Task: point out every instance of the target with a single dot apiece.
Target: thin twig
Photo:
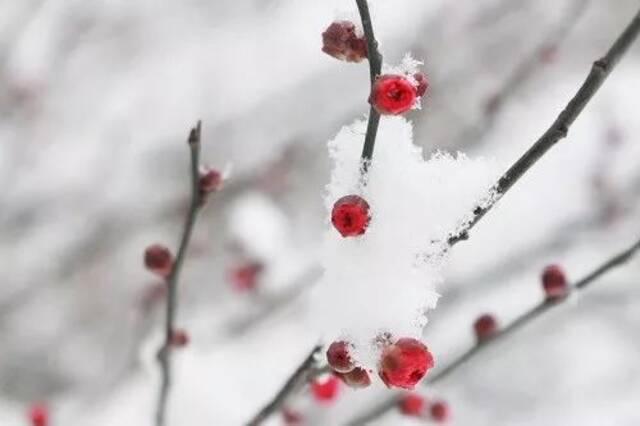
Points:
(526, 317)
(558, 130)
(375, 67)
(164, 355)
(298, 378)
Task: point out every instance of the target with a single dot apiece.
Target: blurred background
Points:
(96, 99)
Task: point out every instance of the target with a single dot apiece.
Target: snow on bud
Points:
(554, 282)
(439, 411)
(393, 94)
(411, 404)
(356, 378)
(338, 357)
(38, 414)
(341, 41)
(485, 327)
(158, 259)
(405, 363)
(325, 388)
(350, 215)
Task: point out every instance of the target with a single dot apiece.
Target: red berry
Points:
(245, 276)
(404, 363)
(356, 378)
(392, 94)
(439, 411)
(158, 259)
(350, 215)
(38, 414)
(338, 357)
(291, 417)
(485, 326)
(179, 338)
(554, 282)
(325, 389)
(411, 404)
(210, 179)
(423, 84)
(340, 41)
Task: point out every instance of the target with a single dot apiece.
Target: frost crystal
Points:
(385, 280)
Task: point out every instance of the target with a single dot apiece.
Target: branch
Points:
(375, 67)
(514, 326)
(558, 130)
(299, 377)
(164, 356)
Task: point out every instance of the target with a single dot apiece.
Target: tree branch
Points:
(558, 130)
(526, 317)
(164, 355)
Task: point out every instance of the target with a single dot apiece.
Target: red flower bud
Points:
(439, 411)
(411, 404)
(179, 338)
(325, 389)
(158, 259)
(423, 84)
(485, 326)
(392, 94)
(340, 41)
(350, 215)
(245, 276)
(210, 179)
(338, 357)
(405, 363)
(356, 378)
(554, 282)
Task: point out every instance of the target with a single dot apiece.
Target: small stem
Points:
(164, 355)
(559, 129)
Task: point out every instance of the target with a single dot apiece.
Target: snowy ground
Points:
(96, 99)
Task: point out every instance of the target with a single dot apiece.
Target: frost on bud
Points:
(291, 417)
(245, 276)
(338, 357)
(554, 282)
(411, 404)
(210, 179)
(325, 388)
(439, 411)
(179, 338)
(404, 363)
(350, 215)
(356, 378)
(38, 415)
(485, 327)
(392, 94)
(422, 84)
(158, 259)
(341, 41)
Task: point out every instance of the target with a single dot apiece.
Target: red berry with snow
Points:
(158, 259)
(210, 179)
(38, 415)
(439, 411)
(341, 41)
(422, 84)
(411, 404)
(350, 215)
(485, 327)
(338, 357)
(245, 276)
(554, 282)
(405, 363)
(179, 338)
(325, 388)
(356, 378)
(392, 94)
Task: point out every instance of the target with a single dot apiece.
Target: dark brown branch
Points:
(299, 377)
(560, 127)
(164, 355)
(375, 67)
(511, 328)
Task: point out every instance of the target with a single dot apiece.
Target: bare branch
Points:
(559, 129)
(164, 355)
(526, 317)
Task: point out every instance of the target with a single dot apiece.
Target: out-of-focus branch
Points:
(375, 67)
(526, 317)
(299, 377)
(558, 130)
(164, 356)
